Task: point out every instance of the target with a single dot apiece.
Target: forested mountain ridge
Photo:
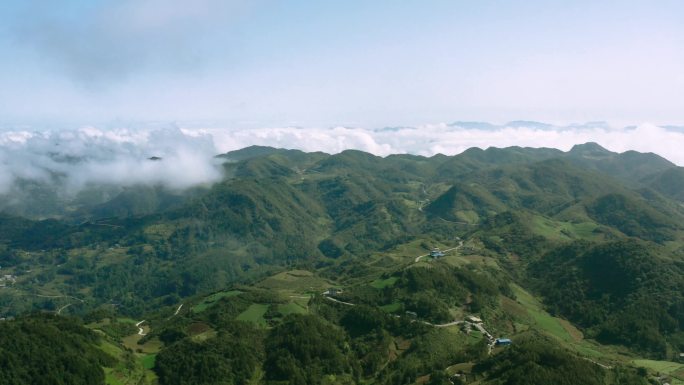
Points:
(594, 235)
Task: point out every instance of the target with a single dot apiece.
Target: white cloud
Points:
(450, 140)
(91, 155)
(77, 158)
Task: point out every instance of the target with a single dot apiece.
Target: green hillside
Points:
(350, 268)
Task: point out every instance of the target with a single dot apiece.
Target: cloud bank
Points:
(451, 139)
(74, 159)
(120, 157)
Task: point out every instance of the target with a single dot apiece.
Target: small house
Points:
(333, 291)
(412, 314)
(502, 342)
(436, 253)
(473, 319)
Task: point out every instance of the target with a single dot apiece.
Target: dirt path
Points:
(338, 301)
(598, 363)
(422, 204)
(480, 327)
(446, 325)
(59, 296)
(141, 332)
(59, 311)
(177, 310)
(457, 222)
(63, 307)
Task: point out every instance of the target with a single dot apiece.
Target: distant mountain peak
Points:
(589, 125)
(474, 125)
(529, 124)
(253, 151)
(590, 149)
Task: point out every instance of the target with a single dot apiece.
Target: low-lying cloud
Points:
(74, 159)
(120, 157)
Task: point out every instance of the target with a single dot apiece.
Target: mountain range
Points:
(577, 256)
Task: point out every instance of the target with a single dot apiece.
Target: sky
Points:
(354, 63)
(112, 82)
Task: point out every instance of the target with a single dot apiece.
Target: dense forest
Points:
(620, 291)
(44, 349)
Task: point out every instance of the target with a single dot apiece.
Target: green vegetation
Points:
(619, 291)
(231, 357)
(210, 300)
(577, 256)
(536, 361)
(540, 318)
(291, 308)
(383, 283)
(42, 349)
(392, 307)
(149, 360)
(305, 350)
(254, 313)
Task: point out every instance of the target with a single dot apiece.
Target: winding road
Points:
(177, 310)
(607, 367)
(58, 296)
(479, 326)
(338, 301)
(59, 311)
(460, 244)
(444, 325)
(141, 332)
(63, 307)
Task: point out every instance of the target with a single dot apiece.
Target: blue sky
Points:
(361, 63)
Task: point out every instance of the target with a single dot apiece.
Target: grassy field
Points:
(208, 301)
(211, 333)
(295, 282)
(111, 378)
(128, 370)
(301, 300)
(131, 341)
(127, 320)
(292, 308)
(457, 260)
(134, 362)
(674, 369)
(391, 308)
(474, 337)
(159, 231)
(583, 230)
(539, 318)
(561, 329)
(660, 366)
(468, 216)
(383, 283)
(254, 313)
(562, 230)
(148, 360)
(407, 252)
